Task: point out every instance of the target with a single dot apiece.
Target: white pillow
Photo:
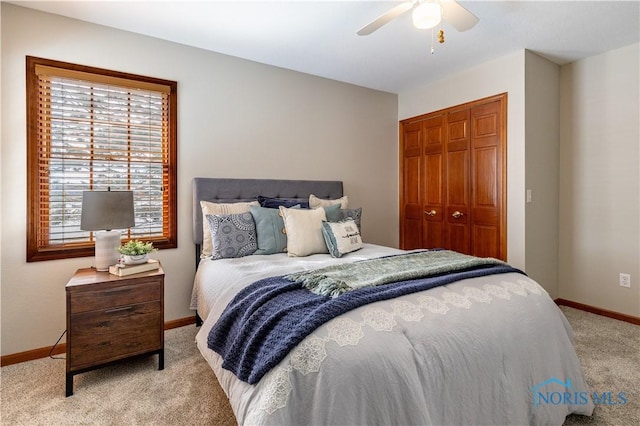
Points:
(304, 231)
(218, 209)
(315, 202)
(341, 237)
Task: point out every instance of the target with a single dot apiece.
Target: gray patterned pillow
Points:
(343, 214)
(232, 235)
(355, 214)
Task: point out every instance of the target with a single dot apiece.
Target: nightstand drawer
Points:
(110, 334)
(142, 291)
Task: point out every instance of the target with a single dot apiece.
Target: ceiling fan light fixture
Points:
(427, 15)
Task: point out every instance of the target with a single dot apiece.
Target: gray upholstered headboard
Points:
(224, 190)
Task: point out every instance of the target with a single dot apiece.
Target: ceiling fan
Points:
(426, 14)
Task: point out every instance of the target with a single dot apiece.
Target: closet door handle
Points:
(430, 213)
(457, 214)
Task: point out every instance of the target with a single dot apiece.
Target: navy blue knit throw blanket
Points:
(268, 318)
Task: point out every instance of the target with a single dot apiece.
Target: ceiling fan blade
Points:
(457, 16)
(390, 15)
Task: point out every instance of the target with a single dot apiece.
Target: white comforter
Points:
(470, 352)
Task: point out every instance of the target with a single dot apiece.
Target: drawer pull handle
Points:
(430, 213)
(116, 290)
(124, 308)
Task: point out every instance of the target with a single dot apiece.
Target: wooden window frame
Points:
(37, 251)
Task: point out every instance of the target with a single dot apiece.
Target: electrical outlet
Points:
(625, 280)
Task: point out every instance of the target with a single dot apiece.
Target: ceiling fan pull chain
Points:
(433, 50)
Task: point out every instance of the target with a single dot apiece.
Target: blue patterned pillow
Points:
(232, 235)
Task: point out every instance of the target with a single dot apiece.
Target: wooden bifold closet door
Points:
(453, 179)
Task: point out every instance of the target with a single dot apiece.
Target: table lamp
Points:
(105, 211)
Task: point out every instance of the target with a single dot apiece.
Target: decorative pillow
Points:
(315, 202)
(342, 214)
(332, 211)
(270, 231)
(304, 231)
(218, 208)
(341, 237)
(274, 203)
(232, 235)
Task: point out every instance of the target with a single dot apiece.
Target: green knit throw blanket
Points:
(335, 280)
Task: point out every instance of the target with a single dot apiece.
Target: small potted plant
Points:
(135, 251)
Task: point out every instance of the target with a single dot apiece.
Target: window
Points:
(95, 129)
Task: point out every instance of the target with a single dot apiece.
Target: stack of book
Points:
(122, 270)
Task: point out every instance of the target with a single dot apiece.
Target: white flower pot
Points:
(135, 259)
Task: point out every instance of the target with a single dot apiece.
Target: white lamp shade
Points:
(427, 15)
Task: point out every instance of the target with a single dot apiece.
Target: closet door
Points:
(487, 170)
(453, 179)
(457, 234)
(411, 165)
(422, 183)
(433, 211)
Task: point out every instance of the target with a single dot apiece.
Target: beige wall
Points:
(600, 180)
(542, 135)
(236, 119)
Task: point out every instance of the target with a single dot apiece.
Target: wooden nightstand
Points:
(110, 318)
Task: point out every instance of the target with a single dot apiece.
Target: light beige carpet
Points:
(609, 352)
(133, 392)
(187, 393)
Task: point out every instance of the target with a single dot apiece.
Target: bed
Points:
(481, 349)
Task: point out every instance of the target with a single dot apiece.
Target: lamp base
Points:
(107, 243)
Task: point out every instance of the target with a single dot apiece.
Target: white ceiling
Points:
(319, 37)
